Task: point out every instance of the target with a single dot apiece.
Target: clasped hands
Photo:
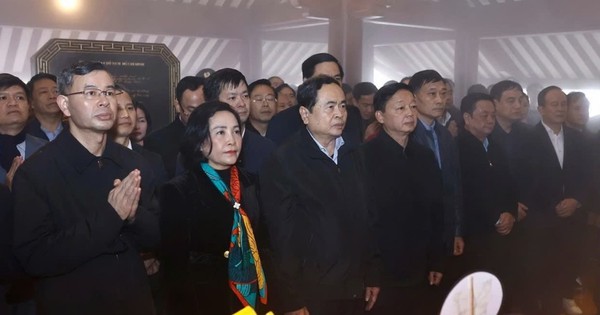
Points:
(125, 195)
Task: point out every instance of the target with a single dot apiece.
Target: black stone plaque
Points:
(149, 71)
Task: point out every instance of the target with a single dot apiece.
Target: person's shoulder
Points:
(286, 114)
(166, 131)
(259, 140)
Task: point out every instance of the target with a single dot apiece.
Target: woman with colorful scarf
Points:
(211, 261)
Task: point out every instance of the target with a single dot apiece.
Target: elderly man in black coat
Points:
(314, 199)
(406, 188)
(490, 201)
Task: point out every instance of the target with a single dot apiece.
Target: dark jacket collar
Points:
(312, 149)
(80, 158)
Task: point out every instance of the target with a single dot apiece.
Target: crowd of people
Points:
(325, 199)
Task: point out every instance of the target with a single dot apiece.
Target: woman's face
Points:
(141, 126)
(226, 138)
(285, 98)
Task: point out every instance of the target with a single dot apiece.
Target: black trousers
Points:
(551, 260)
(418, 299)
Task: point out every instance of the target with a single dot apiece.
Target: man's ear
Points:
(466, 117)
(177, 107)
(304, 112)
(63, 104)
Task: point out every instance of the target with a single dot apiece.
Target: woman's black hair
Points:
(197, 132)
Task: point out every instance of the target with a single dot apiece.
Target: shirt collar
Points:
(339, 142)
(486, 144)
(428, 127)
(551, 132)
(51, 134)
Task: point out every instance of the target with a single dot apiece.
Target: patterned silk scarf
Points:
(246, 276)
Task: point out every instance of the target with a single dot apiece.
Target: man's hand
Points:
(302, 311)
(371, 294)
(522, 211)
(17, 161)
(505, 223)
(567, 207)
(435, 278)
(459, 245)
(125, 196)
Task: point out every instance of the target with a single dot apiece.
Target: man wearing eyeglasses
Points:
(166, 141)
(262, 106)
(47, 122)
(15, 146)
(84, 208)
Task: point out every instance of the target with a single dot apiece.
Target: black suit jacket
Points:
(551, 183)
(68, 235)
(453, 207)
(196, 222)
(34, 128)
(155, 162)
(488, 188)
(405, 185)
(320, 224)
(256, 149)
(166, 143)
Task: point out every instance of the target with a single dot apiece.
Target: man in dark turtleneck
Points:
(15, 144)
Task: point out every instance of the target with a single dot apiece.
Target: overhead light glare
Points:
(68, 6)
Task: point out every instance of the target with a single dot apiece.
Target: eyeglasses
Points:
(268, 99)
(95, 93)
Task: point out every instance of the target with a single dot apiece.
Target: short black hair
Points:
(260, 82)
(139, 105)
(542, 95)
(308, 66)
(477, 88)
(574, 97)
(65, 79)
(8, 80)
(308, 91)
(467, 104)
(283, 86)
(191, 83)
(386, 92)
(423, 77)
(503, 86)
(38, 77)
(123, 89)
(363, 88)
(197, 131)
(221, 79)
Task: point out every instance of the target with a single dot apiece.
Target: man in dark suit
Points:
(124, 125)
(287, 122)
(490, 203)
(512, 135)
(84, 208)
(16, 144)
(559, 170)
(430, 97)
(47, 122)
(315, 202)
(166, 141)
(405, 187)
(229, 86)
